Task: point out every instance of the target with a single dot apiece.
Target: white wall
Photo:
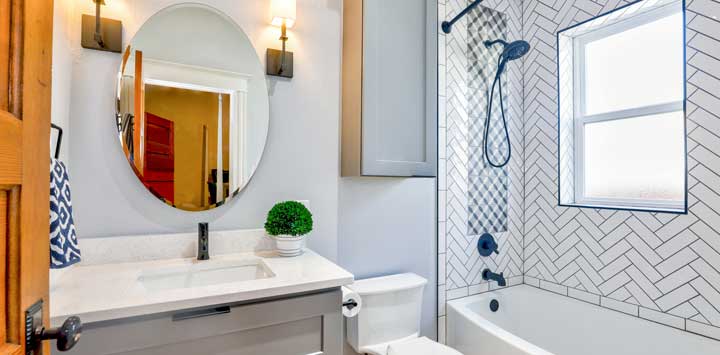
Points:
(63, 13)
(301, 156)
(387, 226)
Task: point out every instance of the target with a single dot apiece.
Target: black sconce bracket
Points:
(100, 33)
(279, 62)
(273, 62)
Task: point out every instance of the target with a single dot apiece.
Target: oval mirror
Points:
(192, 107)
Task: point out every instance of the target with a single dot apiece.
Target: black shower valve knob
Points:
(487, 245)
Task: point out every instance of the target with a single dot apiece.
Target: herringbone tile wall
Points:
(462, 104)
(487, 186)
(662, 267)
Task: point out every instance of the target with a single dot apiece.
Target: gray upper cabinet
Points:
(389, 93)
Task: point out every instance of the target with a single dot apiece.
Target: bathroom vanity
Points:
(244, 300)
(192, 119)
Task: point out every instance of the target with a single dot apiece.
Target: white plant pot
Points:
(287, 245)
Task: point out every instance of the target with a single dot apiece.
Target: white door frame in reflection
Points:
(183, 76)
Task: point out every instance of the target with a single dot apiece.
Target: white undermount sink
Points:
(194, 273)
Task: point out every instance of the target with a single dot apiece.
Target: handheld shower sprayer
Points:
(511, 51)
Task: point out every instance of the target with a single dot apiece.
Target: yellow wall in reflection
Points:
(190, 110)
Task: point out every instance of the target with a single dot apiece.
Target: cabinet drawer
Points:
(300, 325)
(292, 338)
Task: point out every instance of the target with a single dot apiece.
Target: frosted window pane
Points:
(636, 158)
(638, 67)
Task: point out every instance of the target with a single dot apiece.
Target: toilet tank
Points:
(391, 310)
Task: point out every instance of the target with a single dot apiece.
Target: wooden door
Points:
(159, 172)
(25, 61)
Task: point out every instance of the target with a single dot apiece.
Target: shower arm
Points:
(489, 44)
(447, 25)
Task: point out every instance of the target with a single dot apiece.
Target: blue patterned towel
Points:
(64, 249)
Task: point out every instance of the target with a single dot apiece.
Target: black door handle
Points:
(67, 335)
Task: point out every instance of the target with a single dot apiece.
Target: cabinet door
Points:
(390, 88)
(399, 133)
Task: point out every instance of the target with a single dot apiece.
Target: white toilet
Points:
(389, 320)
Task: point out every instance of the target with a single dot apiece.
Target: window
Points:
(622, 118)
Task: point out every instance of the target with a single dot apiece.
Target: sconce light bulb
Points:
(283, 13)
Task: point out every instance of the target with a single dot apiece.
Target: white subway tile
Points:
(457, 293)
(529, 280)
(442, 237)
(442, 330)
(553, 287)
(619, 306)
(584, 296)
(441, 300)
(662, 318)
(442, 267)
(479, 288)
(703, 329)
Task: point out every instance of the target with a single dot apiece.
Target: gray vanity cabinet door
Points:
(308, 324)
(389, 88)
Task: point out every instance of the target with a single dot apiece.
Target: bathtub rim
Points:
(460, 307)
(457, 304)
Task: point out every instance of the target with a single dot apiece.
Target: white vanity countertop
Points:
(114, 291)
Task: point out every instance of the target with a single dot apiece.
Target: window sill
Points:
(627, 208)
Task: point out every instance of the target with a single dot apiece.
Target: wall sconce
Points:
(280, 63)
(101, 33)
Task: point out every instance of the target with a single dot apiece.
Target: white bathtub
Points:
(531, 321)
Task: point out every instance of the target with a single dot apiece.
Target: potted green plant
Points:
(288, 222)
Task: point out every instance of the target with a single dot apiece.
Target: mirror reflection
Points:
(192, 107)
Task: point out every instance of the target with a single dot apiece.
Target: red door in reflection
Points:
(159, 172)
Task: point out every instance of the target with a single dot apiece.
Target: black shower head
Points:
(512, 50)
(516, 49)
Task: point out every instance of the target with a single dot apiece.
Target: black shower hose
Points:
(498, 82)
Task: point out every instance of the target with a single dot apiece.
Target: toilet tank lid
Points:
(386, 284)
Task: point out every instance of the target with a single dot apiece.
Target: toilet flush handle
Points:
(350, 304)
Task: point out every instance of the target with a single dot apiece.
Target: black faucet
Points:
(499, 278)
(203, 241)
